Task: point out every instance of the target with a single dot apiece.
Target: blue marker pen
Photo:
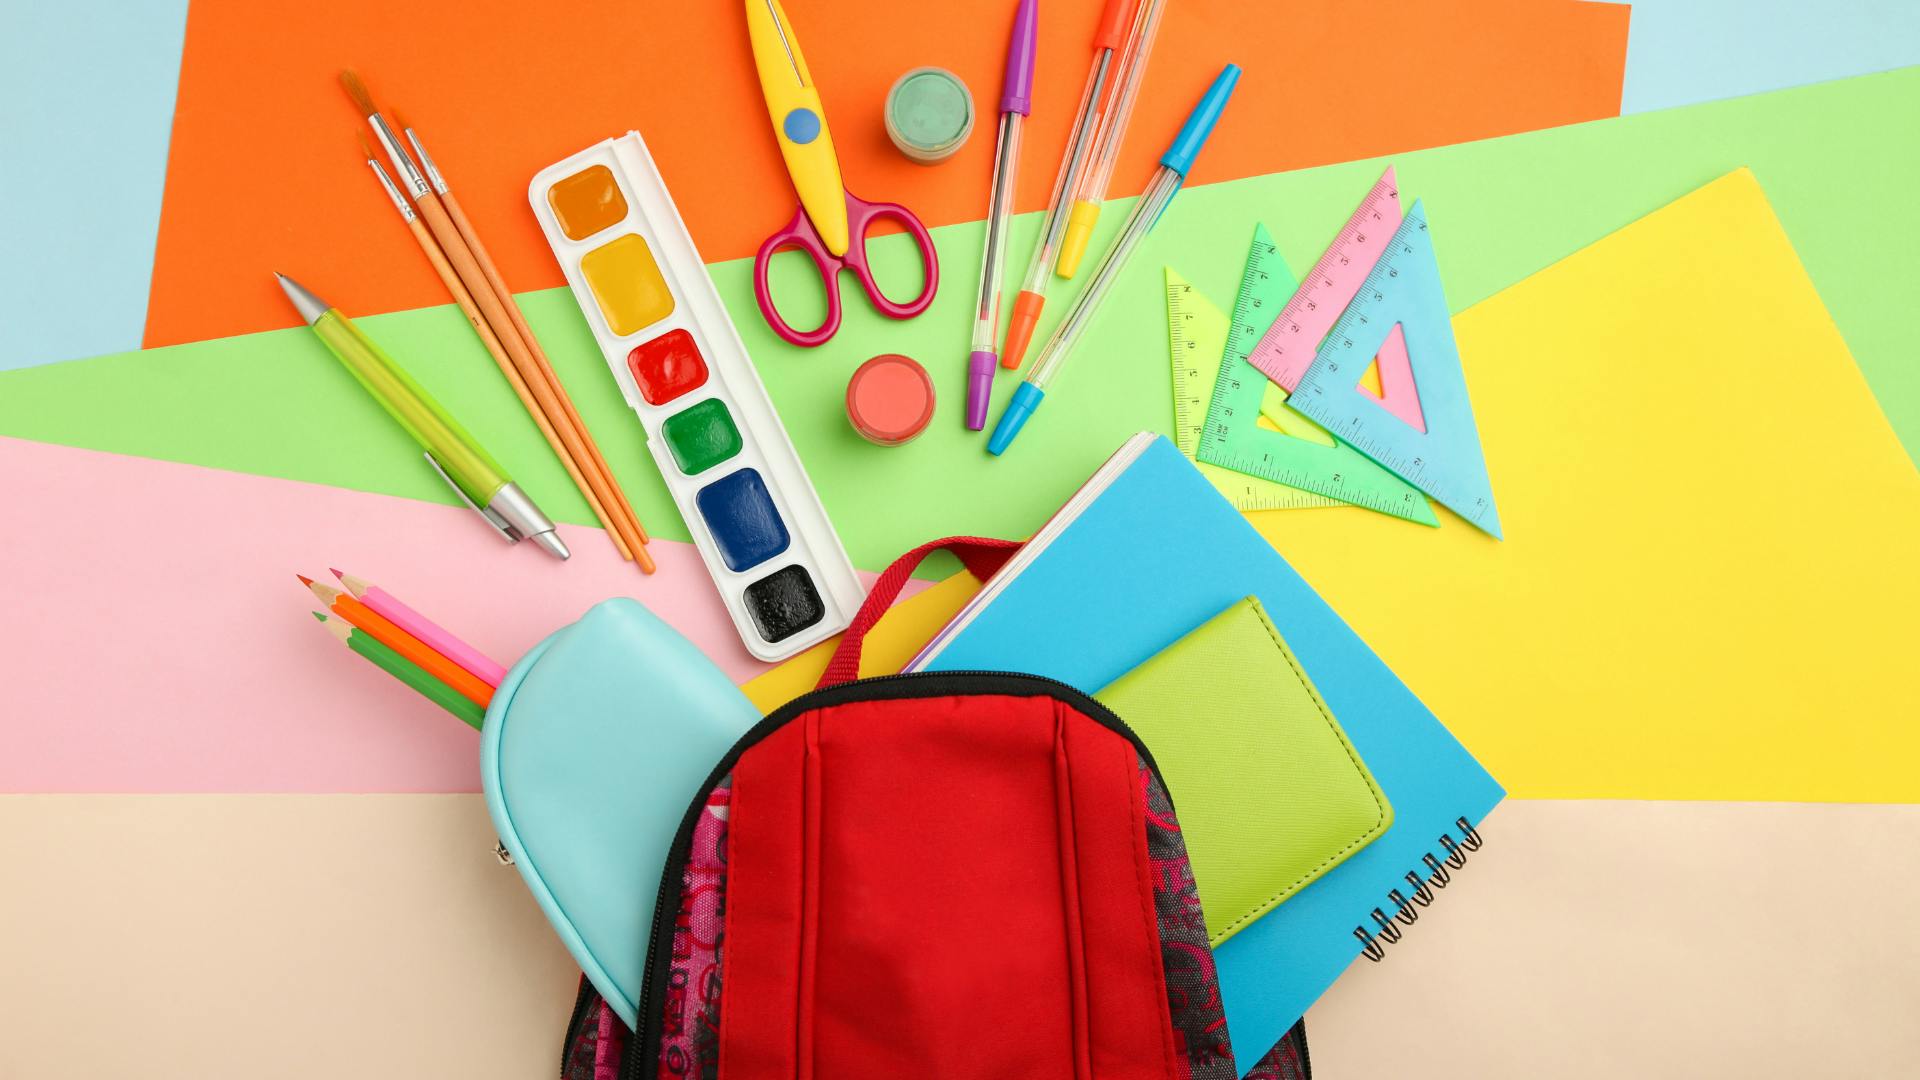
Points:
(1160, 191)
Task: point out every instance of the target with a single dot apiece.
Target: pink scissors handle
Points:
(800, 234)
(860, 217)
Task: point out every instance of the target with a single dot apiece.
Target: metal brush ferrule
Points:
(426, 162)
(393, 192)
(402, 164)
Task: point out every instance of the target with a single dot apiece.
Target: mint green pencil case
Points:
(594, 745)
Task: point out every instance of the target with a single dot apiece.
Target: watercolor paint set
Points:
(710, 426)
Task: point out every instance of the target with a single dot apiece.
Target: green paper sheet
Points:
(276, 404)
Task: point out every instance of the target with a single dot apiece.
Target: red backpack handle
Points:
(982, 558)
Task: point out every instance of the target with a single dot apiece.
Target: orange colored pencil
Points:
(340, 603)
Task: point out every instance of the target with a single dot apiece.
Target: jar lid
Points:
(890, 399)
(929, 114)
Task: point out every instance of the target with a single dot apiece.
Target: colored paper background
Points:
(1659, 590)
(338, 906)
(1684, 51)
(293, 194)
(276, 404)
(1585, 940)
(86, 102)
(1595, 940)
(1680, 558)
(218, 684)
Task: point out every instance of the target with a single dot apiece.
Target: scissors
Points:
(829, 216)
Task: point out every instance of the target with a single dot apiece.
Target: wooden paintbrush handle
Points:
(464, 299)
(505, 296)
(496, 316)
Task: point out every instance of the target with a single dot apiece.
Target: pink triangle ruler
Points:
(1289, 345)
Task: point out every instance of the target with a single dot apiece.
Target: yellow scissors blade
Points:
(799, 124)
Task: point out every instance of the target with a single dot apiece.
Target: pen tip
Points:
(308, 305)
(336, 572)
(318, 616)
(305, 580)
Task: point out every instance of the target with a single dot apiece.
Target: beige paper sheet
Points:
(1651, 940)
(287, 936)
(374, 936)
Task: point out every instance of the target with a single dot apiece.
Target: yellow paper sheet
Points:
(1712, 572)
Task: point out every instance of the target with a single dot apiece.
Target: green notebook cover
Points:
(1269, 792)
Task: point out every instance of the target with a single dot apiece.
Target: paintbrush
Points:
(492, 342)
(505, 295)
(548, 395)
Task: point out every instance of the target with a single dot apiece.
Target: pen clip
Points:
(499, 523)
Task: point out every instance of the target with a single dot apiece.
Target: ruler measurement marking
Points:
(1224, 420)
(1323, 392)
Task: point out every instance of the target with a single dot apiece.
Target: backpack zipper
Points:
(644, 1047)
(582, 1005)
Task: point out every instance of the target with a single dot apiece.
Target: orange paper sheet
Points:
(265, 173)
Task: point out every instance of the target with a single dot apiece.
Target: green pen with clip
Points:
(468, 469)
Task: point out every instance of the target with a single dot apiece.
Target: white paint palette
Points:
(710, 426)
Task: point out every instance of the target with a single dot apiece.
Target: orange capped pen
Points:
(1107, 37)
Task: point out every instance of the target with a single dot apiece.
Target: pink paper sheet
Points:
(153, 637)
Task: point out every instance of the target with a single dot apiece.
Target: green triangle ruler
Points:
(1196, 337)
(1445, 460)
(1293, 452)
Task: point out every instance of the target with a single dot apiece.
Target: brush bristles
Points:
(357, 90)
(367, 149)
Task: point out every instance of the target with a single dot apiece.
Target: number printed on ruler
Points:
(1295, 452)
(1197, 341)
(1292, 337)
(1445, 460)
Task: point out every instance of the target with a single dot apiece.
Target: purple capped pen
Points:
(1016, 101)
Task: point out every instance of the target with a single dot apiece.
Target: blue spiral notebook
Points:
(1091, 597)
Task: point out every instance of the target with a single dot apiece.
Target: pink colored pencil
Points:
(429, 632)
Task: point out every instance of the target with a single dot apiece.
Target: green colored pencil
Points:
(404, 669)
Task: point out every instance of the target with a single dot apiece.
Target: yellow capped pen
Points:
(1113, 131)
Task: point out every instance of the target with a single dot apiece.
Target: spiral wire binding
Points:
(1406, 905)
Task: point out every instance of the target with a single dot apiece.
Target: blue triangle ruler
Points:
(1404, 290)
(1293, 451)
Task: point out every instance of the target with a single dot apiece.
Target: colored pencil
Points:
(488, 338)
(337, 602)
(431, 633)
(549, 394)
(404, 670)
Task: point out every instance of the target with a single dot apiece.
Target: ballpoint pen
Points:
(473, 475)
(1113, 131)
(1016, 101)
(1160, 192)
(1032, 298)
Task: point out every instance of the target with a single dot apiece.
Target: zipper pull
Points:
(500, 852)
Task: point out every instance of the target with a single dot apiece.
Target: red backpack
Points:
(944, 876)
